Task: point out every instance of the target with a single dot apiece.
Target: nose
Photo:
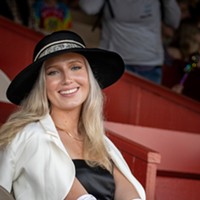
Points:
(67, 79)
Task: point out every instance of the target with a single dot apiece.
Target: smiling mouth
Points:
(71, 91)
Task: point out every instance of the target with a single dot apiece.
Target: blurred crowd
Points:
(181, 68)
(42, 15)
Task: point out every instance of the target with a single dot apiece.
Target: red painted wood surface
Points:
(5, 110)
(178, 174)
(140, 102)
(16, 48)
(17, 45)
(142, 161)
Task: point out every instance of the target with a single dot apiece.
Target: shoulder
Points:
(39, 130)
(27, 137)
(32, 129)
(112, 149)
(24, 144)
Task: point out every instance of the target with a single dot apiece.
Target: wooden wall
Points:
(140, 102)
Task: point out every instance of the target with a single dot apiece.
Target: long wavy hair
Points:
(36, 105)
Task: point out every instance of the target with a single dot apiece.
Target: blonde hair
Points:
(35, 106)
(92, 123)
(32, 108)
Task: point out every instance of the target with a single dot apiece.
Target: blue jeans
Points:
(153, 73)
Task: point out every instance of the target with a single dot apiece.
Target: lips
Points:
(70, 91)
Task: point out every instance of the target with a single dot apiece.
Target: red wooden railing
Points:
(142, 161)
(177, 176)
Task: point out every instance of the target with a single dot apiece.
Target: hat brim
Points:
(107, 67)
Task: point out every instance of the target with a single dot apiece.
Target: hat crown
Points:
(56, 37)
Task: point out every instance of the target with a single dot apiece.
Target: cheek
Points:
(84, 80)
(51, 82)
(85, 85)
(51, 85)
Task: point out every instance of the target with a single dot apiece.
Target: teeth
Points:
(69, 91)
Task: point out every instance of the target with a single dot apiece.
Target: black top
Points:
(97, 181)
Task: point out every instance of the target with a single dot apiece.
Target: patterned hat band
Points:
(58, 46)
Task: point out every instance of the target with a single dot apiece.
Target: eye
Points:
(75, 67)
(52, 72)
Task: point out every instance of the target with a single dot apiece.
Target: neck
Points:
(66, 120)
(76, 136)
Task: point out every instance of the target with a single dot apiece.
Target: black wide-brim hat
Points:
(107, 66)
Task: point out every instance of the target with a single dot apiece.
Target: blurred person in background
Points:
(183, 66)
(133, 29)
(16, 10)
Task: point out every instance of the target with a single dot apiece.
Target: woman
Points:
(54, 146)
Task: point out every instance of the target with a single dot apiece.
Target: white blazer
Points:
(37, 166)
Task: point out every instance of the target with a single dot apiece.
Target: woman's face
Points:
(67, 81)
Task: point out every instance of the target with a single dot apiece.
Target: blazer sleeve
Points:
(121, 164)
(6, 168)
